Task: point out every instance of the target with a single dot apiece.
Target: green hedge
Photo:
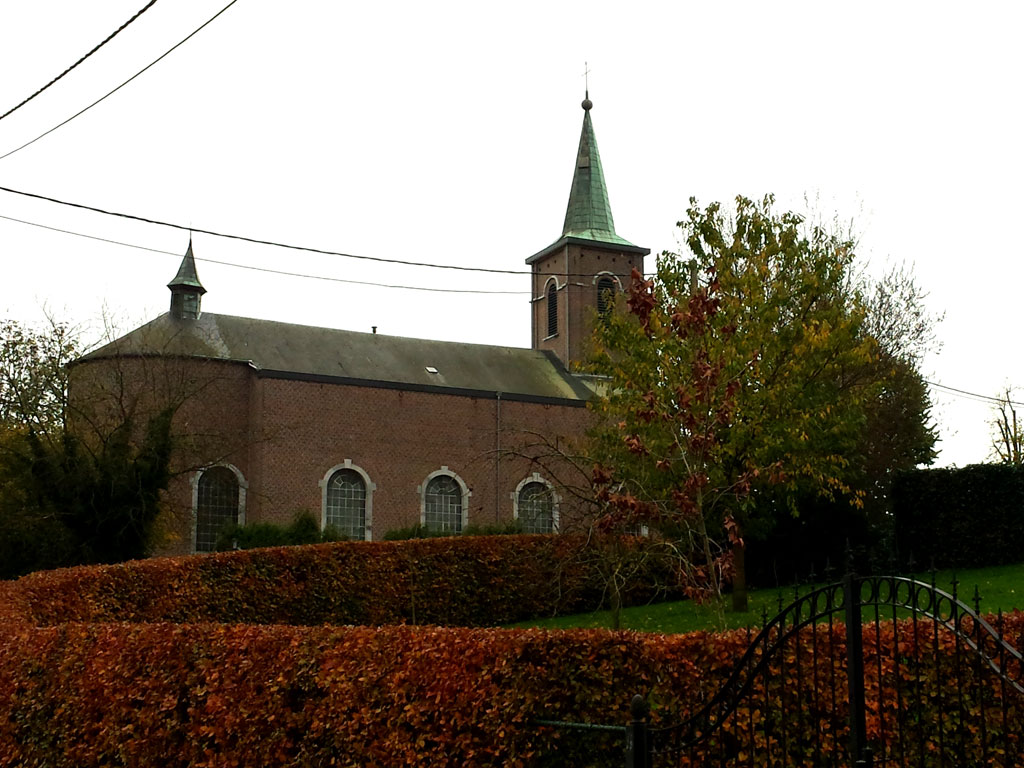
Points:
(303, 529)
(84, 696)
(459, 581)
(960, 518)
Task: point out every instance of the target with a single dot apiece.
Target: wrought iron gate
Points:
(869, 671)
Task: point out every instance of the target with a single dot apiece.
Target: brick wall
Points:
(285, 435)
(397, 438)
(577, 269)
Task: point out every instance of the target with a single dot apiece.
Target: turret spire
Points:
(186, 290)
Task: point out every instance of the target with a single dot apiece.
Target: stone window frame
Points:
(421, 491)
(556, 500)
(368, 484)
(243, 486)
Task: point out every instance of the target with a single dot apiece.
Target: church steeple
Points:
(576, 277)
(589, 215)
(186, 290)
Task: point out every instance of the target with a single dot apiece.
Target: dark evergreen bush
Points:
(960, 518)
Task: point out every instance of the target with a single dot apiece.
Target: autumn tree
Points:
(33, 380)
(739, 369)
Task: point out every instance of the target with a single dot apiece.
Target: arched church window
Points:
(605, 295)
(216, 506)
(345, 509)
(536, 508)
(443, 504)
(552, 309)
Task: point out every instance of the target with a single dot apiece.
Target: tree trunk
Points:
(739, 580)
(616, 605)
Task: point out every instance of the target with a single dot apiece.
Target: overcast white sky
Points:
(446, 133)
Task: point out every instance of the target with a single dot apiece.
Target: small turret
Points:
(186, 290)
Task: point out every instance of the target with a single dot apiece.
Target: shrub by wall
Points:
(463, 581)
(83, 695)
(960, 518)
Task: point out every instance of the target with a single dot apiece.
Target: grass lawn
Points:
(1000, 587)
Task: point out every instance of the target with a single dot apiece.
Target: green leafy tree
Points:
(898, 435)
(743, 368)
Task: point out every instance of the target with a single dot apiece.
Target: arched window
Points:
(217, 505)
(536, 508)
(345, 506)
(552, 308)
(442, 504)
(605, 295)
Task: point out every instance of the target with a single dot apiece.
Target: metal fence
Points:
(868, 671)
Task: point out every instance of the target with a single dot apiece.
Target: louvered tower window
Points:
(552, 309)
(536, 508)
(216, 506)
(346, 504)
(443, 505)
(605, 295)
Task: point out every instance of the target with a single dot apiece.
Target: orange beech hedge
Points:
(83, 695)
(459, 581)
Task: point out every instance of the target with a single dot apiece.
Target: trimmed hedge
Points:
(969, 517)
(79, 695)
(463, 581)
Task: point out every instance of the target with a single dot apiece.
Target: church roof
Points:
(286, 350)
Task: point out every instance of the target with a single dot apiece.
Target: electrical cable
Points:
(122, 85)
(110, 37)
(267, 269)
(275, 244)
(988, 399)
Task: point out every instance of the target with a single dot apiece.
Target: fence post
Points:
(859, 752)
(638, 742)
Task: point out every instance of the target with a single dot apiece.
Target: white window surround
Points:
(370, 488)
(544, 292)
(421, 491)
(555, 498)
(612, 275)
(242, 486)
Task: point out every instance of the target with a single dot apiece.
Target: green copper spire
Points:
(589, 216)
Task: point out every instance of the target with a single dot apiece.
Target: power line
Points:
(267, 269)
(110, 37)
(988, 399)
(122, 85)
(275, 244)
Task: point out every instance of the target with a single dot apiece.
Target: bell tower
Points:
(575, 278)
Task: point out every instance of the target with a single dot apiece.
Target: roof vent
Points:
(431, 369)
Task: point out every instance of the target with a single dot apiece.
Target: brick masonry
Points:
(284, 435)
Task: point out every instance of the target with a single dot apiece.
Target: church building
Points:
(370, 432)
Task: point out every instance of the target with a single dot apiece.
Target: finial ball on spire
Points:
(587, 104)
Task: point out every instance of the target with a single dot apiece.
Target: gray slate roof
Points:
(301, 351)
